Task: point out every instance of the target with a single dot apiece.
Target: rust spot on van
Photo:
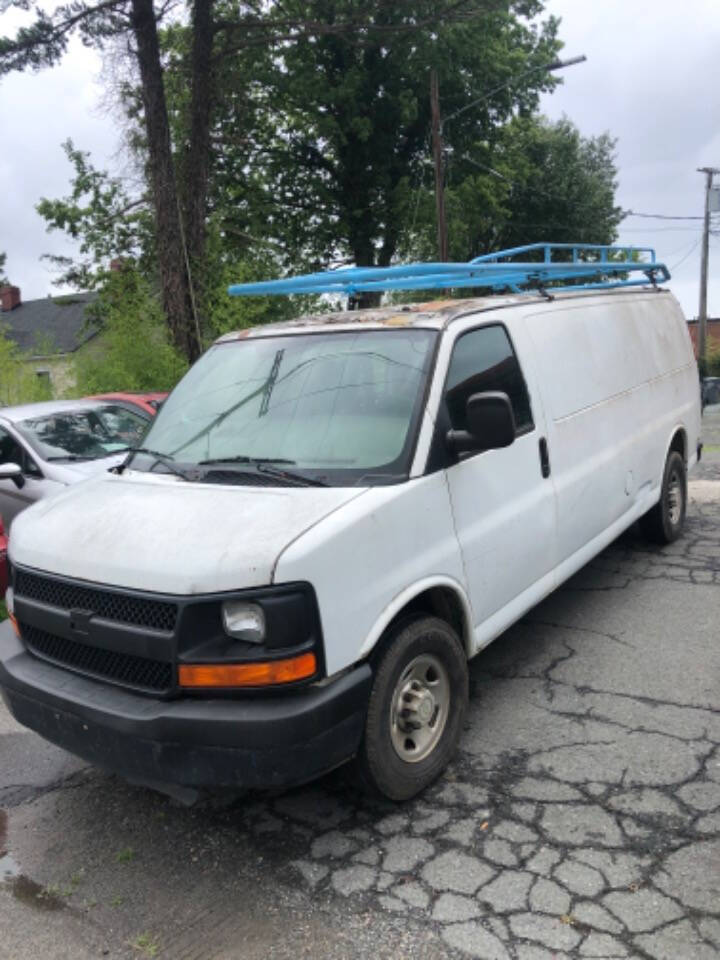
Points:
(434, 305)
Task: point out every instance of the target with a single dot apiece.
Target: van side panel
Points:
(617, 380)
(361, 559)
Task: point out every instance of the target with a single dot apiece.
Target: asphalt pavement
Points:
(581, 818)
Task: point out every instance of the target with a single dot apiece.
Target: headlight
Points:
(244, 621)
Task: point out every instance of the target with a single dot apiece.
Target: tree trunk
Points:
(172, 265)
(197, 169)
(364, 256)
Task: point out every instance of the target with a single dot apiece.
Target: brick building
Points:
(713, 334)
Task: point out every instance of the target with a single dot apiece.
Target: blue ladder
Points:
(602, 267)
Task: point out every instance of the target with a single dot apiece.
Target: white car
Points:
(330, 518)
(44, 447)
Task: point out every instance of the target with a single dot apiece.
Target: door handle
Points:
(544, 457)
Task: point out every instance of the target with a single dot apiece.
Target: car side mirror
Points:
(12, 471)
(490, 424)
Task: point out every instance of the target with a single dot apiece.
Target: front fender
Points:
(406, 596)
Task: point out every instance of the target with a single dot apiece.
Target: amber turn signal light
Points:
(265, 674)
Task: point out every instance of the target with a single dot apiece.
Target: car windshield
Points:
(334, 407)
(83, 434)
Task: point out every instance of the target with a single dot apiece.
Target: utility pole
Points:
(702, 314)
(438, 149)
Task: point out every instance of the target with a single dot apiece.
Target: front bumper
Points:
(258, 742)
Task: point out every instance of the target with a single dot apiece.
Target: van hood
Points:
(163, 534)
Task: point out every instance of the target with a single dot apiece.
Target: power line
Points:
(675, 252)
(657, 229)
(513, 81)
(692, 249)
(658, 216)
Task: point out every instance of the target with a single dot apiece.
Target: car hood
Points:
(162, 534)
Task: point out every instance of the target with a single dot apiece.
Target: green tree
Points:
(18, 382)
(104, 218)
(136, 23)
(178, 175)
(711, 368)
(347, 140)
(565, 187)
(110, 224)
(3, 278)
(133, 350)
(537, 181)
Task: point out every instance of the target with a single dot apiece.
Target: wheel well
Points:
(679, 443)
(442, 602)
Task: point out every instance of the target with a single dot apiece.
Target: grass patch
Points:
(146, 945)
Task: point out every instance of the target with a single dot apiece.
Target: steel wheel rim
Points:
(674, 499)
(419, 708)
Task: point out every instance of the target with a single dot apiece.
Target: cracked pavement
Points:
(581, 818)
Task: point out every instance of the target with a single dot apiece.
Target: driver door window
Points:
(484, 360)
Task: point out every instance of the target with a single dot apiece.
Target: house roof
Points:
(51, 325)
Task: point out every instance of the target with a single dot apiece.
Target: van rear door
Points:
(611, 369)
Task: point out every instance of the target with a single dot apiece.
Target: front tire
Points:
(416, 710)
(664, 523)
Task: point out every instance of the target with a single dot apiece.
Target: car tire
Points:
(664, 523)
(416, 709)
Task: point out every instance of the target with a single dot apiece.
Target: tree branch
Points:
(44, 41)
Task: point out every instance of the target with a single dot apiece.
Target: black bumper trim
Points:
(272, 741)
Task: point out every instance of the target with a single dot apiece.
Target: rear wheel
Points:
(416, 709)
(664, 523)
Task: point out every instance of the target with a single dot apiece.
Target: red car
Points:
(147, 402)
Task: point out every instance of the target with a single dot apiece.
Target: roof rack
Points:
(542, 265)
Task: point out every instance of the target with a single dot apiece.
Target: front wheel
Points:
(664, 523)
(416, 710)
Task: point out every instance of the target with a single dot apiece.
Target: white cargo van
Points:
(329, 518)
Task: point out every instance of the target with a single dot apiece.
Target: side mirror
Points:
(11, 471)
(490, 422)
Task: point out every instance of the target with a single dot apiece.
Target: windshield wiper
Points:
(166, 459)
(241, 458)
(73, 457)
(299, 478)
(267, 465)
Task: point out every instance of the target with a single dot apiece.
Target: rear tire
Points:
(664, 523)
(416, 710)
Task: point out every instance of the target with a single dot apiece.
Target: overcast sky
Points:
(652, 80)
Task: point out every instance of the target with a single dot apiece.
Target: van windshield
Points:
(332, 408)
